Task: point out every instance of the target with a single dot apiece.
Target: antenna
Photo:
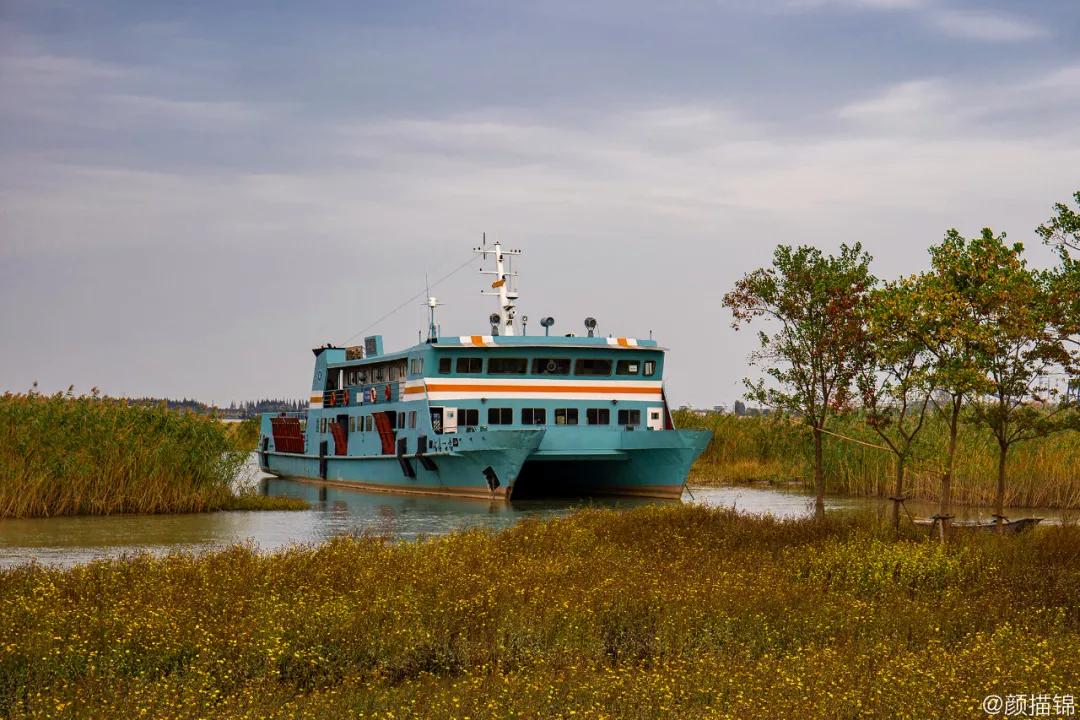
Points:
(501, 286)
(432, 303)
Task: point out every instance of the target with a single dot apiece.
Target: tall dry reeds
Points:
(86, 455)
(775, 448)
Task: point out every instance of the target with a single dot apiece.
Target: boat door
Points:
(656, 419)
(443, 420)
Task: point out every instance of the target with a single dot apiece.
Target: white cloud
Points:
(986, 26)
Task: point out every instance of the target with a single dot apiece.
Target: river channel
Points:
(335, 511)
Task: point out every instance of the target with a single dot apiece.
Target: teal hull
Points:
(504, 464)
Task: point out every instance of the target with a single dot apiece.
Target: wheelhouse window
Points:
(629, 417)
(507, 366)
(628, 367)
(470, 365)
(598, 416)
(551, 366)
(650, 368)
(500, 416)
(393, 373)
(444, 366)
(592, 366)
(416, 366)
(566, 416)
(468, 417)
(533, 416)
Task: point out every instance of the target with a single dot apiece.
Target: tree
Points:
(896, 384)
(1062, 232)
(812, 358)
(933, 309)
(1018, 347)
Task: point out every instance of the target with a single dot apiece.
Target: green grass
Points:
(659, 612)
(775, 449)
(65, 455)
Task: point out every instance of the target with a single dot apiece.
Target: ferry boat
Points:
(497, 416)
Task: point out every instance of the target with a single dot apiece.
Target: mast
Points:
(501, 285)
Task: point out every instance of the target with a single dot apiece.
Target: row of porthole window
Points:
(547, 366)
(468, 417)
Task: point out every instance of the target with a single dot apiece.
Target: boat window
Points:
(416, 366)
(566, 416)
(322, 425)
(472, 365)
(533, 416)
(412, 418)
(650, 368)
(444, 366)
(592, 366)
(352, 424)
(500, 416)
(400, 420)
(367, 424)
(629, 417)
(380, 373)
(469, 417)
(627, 367)
(393, 373)
(598, 416)
(551, 366)
(507, 366)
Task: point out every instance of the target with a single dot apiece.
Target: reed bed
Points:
(66, 455)
(658, 612)
(776, 449)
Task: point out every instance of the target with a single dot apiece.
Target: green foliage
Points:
(818, 305)
(65, 455)
(660, 612)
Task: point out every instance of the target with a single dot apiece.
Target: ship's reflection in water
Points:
(344, 510)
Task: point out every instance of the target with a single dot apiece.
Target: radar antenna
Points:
(501, 287)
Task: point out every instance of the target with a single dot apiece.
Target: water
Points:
(336, 511)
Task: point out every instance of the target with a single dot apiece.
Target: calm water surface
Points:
(337, 511)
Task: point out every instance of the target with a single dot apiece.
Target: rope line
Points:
(423, 293)
(910, 463)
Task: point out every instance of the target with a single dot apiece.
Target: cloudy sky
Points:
(192, 195)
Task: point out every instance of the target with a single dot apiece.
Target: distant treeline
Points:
(249, 408)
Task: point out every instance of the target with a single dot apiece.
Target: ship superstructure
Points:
(503, 415)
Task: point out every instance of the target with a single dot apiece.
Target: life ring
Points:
(552, 366)
(371, 395)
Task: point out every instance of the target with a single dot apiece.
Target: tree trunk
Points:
(898, 493)
(945, 505)
(999, 499)
(819, 477)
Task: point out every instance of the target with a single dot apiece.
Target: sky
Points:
(193, 195)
